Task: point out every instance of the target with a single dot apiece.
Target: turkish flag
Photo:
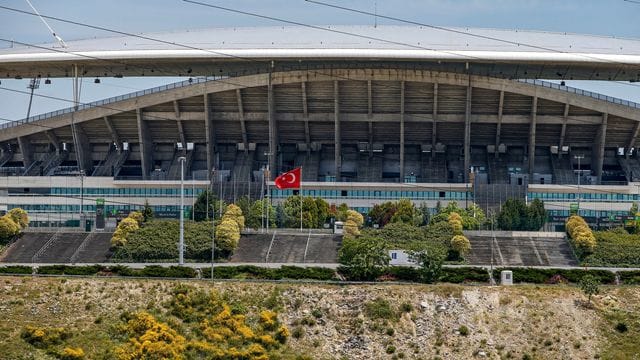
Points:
(289, 180)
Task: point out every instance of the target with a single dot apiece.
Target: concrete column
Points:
(210, 135)
(632, 140)
(401, 131)
(598, 159)
(145, 144)
(26, 151)
(83, 150)
(183, 140)
(467, 135)
(243, 126)
(434, 127)
(532, 136)
(273, 131)
(499, 126)
(53, 139)
(563, 131)
(337, 137)
(113, 132)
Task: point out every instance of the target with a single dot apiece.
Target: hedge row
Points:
(548, 276)
(256, 272)
(455, 275)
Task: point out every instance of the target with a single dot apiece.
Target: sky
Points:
(601, 17)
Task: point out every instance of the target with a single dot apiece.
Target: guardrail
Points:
(198, 80)
(573, 90)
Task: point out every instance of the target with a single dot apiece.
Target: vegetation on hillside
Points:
(614, 247)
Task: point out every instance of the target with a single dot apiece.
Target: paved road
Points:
(323, 265)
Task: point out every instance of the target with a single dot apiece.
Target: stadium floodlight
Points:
(182, 159)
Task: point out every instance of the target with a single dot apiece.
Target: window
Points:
(394, 256)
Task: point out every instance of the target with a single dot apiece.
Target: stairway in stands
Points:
(49, 169)
(563, 171)
(369, 168)
(242, 166)
(498, 170)
(491, 196)
(434, 169)
(37, 167)
(175, 168)
(631, 168)
(287, 247)
(520, 250)
(60, 247)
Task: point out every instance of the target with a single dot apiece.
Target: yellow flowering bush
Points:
(44, 337)
(150, 339)
(71, 353)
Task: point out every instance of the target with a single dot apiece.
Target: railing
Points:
(570, 89)
(179, 84)
(198, 80)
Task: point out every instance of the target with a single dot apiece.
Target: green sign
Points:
(574, 206)
(99, 201)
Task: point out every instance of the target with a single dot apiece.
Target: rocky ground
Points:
(352, 322)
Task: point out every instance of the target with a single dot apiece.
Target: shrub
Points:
(8, 228)
(461, 244)
(351, 228)
(580, 233)
(150, 339)
(19, 217)
(44, 337)
(463, 330)
(227, 235)
(125, 227)
(542, 276)
(69, 270)
(627, 277)
(16, 269)
(379, 309)
(356, 217)
(70, 353)
(390, 349)
(234, 213)
(621, 327)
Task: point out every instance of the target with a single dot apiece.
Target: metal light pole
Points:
(213, 227)
(81, 196)
(182, 159)
(579, 176)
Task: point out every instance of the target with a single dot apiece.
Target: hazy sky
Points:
(604, 17)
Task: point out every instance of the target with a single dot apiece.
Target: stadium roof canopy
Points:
(233, 51)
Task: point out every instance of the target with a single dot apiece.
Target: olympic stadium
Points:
(394, 112)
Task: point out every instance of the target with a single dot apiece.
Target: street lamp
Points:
(579, 157)
(81, 196)
(182, 159)
(213, 224)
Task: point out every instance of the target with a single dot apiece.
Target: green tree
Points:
(201, 212)
(309, 212)
(341, 212)
(245, 205)
(351, 229)
(589, 286)
(406, 212)
(227, 235)
(365, 257)
(381, 214)
(472, 217)
(430, 260)
(258, 214)
(324, 211)
(147, 211)
(536, 215)
(513, 215)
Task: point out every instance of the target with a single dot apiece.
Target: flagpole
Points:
(268, 198)
(301, 198)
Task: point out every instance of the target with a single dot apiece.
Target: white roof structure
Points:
(509, 53)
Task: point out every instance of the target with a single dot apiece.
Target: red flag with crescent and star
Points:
(289, 180)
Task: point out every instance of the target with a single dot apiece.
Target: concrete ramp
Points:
(520, 248)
